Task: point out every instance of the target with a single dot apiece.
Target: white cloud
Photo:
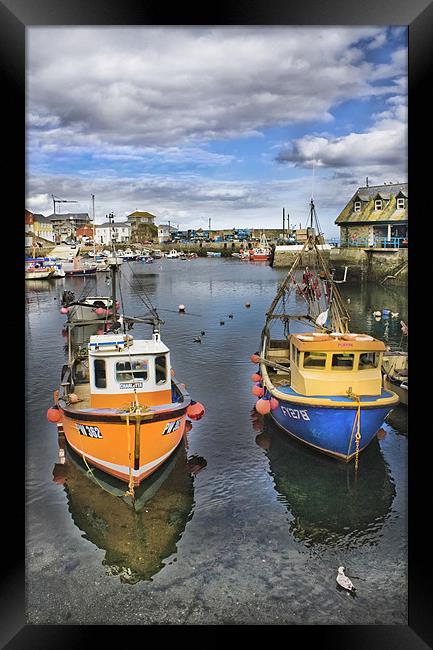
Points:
(172, 86)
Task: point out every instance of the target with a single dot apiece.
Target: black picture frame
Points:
(15, 17)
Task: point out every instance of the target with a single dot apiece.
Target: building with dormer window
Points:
(377, 216)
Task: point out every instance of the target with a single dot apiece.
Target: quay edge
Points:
(380, 265)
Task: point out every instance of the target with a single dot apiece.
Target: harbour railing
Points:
(376, 242)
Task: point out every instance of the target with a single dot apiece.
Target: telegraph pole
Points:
(283, 221)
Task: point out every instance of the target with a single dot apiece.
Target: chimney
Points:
(366, 181)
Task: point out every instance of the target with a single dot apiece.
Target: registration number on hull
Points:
(296, 414)
(89, 431)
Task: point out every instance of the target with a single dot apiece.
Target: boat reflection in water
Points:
(137, 536)
(330, 504)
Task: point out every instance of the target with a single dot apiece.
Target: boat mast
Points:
(94, 241)
(113, 266)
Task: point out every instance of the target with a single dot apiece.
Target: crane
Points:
(60, 201)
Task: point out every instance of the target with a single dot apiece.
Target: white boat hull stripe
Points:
(124, 469)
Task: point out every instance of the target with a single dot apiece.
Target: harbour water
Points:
(244, 526)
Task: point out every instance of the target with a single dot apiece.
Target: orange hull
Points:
(124, 449)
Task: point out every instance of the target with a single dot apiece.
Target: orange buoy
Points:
(255, 358)
(274, 403)
(256, 377)
(54, 414)
(263, 406)
(258, 391)
(195, 411)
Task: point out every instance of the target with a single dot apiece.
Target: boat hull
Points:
(328, 429)
(126, 450)
(77, 272)
(398, 389)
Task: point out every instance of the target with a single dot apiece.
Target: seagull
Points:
(197, 339)
(221, 322)
(343, 580)
(202, 333)
(230, 315)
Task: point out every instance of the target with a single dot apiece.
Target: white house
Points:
(164, 232)
(119, 232)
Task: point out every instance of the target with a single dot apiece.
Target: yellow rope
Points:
(357, 423)
(130, 491)
(90, 471)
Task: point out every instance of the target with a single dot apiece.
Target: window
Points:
(342, 361)
(314, 359)
(161, 369)
(378, 204)
(100, 377)
(400, 204)
(368, 360)
(357, 206)
(130, 370)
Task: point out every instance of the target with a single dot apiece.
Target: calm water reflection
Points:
(136, 539)
(330, 504)
(257, 536)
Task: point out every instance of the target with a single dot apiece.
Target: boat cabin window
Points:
(161, 369)
(368, 360)
(100, 376)
(131, 370)
(295, 355)
(342, 361)
(314, 359)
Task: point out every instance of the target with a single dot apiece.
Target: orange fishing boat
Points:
(119, 404)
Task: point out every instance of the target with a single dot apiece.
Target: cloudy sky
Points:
(230, 123)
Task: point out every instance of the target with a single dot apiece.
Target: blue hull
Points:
(329, 429)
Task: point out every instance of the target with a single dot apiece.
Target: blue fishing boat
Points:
(322, 386)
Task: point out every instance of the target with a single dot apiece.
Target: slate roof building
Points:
(376, 215)
(66, 224)
(37, 227)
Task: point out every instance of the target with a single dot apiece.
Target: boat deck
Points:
(83, 393)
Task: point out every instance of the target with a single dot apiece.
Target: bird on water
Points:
(344, 581)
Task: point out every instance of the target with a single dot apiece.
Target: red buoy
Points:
(64, 310)
(258, 391)
(54, 414)
(100, 311)
(263, 406)
(195, 411)
(274, 403)
(256, 377)
(255, 358)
